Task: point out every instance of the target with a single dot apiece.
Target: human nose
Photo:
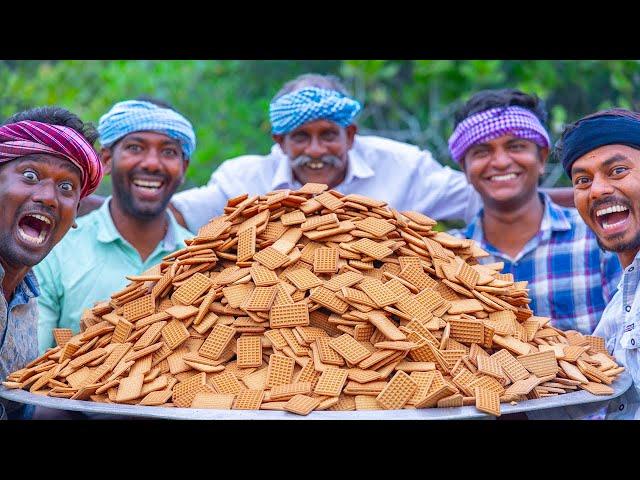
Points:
(600, 187)
(315, 149)
(151, 160)
(501, 159)
(46, 194)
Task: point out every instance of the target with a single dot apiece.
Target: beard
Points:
(632, 245)
(137, 208)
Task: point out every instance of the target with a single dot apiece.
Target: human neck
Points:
(143, 234)
(13, 275)
(510, 227)
(626, 258)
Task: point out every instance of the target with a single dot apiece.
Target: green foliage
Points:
(227, 100)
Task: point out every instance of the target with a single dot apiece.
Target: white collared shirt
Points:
(401, 174)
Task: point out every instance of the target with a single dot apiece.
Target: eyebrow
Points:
(608, 162)
(169, 140)
(66, 164)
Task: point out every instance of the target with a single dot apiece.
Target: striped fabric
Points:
(493, 123)
(308, 104)
(29, 137)
(136, 116)
(570, 278)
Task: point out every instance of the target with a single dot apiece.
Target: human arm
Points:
(89, 204)
(562, 196)
(49, 303)
(194, 207)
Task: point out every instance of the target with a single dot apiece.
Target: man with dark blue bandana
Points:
(312, 120)
(601, 154)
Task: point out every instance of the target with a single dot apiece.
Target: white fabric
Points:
(404, 176)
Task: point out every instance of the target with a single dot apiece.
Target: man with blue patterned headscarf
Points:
(146, 147)
(316, 140)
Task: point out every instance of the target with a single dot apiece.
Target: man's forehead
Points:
(48, 159)
(501, 139)
(149, 136)
(317, 125)
(604, 156)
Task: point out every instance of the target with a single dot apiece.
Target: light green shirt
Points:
(89, 265)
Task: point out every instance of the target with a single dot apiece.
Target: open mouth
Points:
(613, 217)
(34, 228)
(316, 165)
(504, 177)
(148, 184)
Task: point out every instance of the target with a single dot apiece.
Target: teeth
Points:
(612, 209)
(316, 165)
(502, 178)
(34, 240)
(607, 226)
(147, 183)
(41, 218)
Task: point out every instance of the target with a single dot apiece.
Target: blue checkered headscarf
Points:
(293, 109)
(136, 115)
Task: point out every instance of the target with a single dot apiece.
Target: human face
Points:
(505, 171)
(39, 195)
(606, 192)
(318, 151)
(146, 169)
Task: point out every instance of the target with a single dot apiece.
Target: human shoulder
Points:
(248, 163)
(85, 233)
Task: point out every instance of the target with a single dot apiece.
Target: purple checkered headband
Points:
(493, 123)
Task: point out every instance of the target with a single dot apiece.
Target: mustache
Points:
(40, 209)
(303, 160)
(608, 202)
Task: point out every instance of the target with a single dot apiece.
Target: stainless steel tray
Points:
(458, 413)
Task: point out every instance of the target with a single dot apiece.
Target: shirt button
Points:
(631, 269)
(633, 342)
(621, 407)
(628, 308)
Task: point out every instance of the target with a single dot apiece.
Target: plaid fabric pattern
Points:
(29, 137)
(493, 123)
(570, 278)
(135, 116)
(289, 111)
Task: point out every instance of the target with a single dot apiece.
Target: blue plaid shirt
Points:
(570, 278)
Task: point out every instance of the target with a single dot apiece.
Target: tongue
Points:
(29, 227)
(616, 217)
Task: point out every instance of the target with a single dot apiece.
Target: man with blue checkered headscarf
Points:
(146, 147)
(316, 140)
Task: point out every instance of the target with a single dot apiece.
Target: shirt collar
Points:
(26, 289)
(554, 219)
(107, 231)
(357, 168)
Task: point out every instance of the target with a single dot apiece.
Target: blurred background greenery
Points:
(227, 100)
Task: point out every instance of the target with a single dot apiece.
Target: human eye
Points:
(171, 152)
(133, 148)
(620, 169)
(30, 175)
(581, 181)
(67, 186)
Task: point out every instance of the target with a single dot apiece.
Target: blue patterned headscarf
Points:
(293, 109)
(136, 115)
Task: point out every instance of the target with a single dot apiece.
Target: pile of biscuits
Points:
(314, 300)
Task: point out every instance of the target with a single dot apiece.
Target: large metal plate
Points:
(459, 413)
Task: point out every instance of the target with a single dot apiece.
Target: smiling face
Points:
(318, 151)
(505, 171)
(39, 195)
(146, 169)
(606, 192)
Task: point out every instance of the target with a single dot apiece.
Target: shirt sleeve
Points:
(49, 303)
(200, 204)
(610, 272)
(444, 193)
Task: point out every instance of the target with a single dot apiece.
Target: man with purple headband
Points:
(502, 146)
(313, 125)
(47, 164)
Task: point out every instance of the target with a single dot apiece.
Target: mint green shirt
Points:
(89, 265)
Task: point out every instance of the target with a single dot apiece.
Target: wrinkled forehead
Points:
(604, 157)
